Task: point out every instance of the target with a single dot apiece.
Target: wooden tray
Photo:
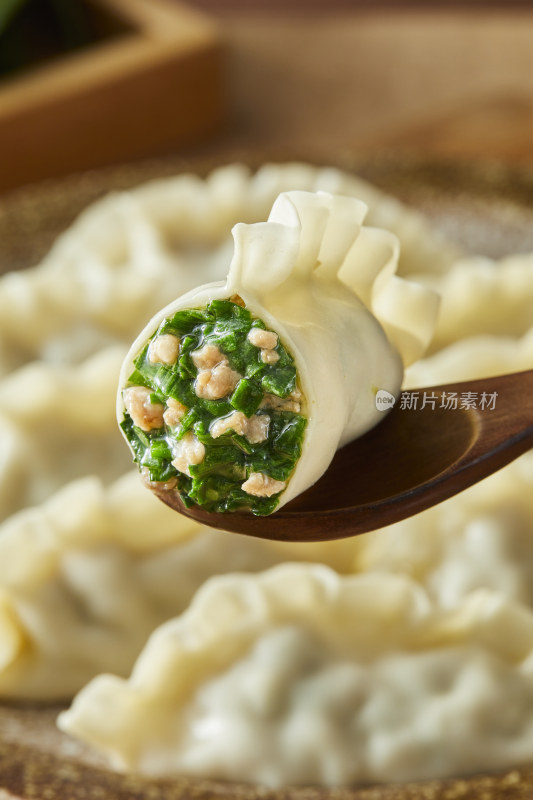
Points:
(151, 87)
(487, 207)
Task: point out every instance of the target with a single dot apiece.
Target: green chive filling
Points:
(214, 410)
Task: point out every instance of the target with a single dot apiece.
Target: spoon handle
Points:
(502, 423)
(419, 456)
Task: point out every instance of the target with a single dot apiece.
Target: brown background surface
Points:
(445, 79)
(442, 79)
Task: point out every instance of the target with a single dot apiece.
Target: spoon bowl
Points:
(434, 443)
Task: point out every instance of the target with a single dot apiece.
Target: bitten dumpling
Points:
(239, 393)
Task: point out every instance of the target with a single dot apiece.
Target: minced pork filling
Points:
(214, 410)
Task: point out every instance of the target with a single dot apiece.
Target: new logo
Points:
(384, 400)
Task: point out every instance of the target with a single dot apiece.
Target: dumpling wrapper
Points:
(326, 285)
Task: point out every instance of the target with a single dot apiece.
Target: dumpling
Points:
(469, 359)
(483, 538)
(238, 394)
(132, 252)
(297, 675)
(87, 576)
(482, 297)
(57, 423)
(73, 594)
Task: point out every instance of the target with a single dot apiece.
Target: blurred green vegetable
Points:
(7, 9)
(34, 31)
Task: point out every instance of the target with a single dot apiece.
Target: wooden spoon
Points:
(427, 449)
